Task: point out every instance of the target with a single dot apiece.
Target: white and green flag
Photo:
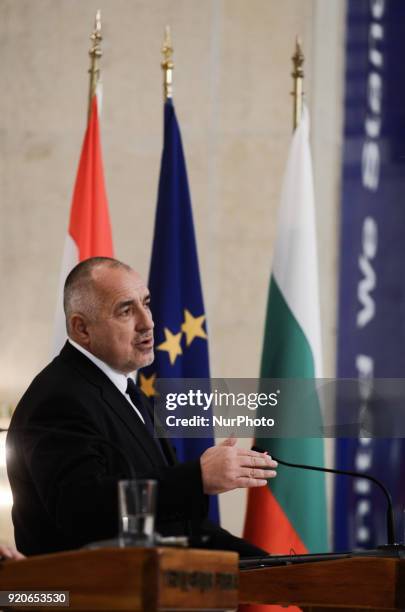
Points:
(290, 512)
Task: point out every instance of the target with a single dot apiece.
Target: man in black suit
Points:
(82, 420)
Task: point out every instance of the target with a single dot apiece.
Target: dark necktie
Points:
(136, 398)
(135, 395)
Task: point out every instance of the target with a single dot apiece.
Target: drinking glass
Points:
(137, 506)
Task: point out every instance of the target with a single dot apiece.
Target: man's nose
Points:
(144, 320)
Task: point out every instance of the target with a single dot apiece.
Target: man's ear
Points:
(79, 331)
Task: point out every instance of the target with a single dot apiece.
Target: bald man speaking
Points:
(66, 432)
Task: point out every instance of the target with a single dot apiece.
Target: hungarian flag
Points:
(289, 514)
(89, 233)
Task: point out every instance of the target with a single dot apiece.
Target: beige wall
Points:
(232, 84)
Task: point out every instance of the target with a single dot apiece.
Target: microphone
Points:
(391, 545)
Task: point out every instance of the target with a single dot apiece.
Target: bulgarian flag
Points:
(89, 233)
(289, 514)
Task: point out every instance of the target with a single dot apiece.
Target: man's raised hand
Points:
(226, 467)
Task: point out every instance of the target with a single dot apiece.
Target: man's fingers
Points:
(18, 555)
(257, 473)
(9, 552)
(258, 460)
(250, 453)
(248, 483)
(225, 469)
(5, 552)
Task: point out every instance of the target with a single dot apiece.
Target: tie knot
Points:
(130, 385)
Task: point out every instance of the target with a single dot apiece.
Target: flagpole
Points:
(167, 65)
(95, 55)
(298, 77)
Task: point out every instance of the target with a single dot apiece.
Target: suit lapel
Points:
(168, 451)
(167, 447)
(114, 398)
(124, 411)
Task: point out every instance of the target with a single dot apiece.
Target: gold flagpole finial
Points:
(298, 76)
(167, 65)
(95, 55)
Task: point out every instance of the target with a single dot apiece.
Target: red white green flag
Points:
(89, 233)
(289, 514)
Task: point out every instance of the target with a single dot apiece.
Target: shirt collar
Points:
(118, 378)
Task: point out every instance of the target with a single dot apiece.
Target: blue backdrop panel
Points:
(371, 319)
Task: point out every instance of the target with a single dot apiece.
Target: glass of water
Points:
(137, 506)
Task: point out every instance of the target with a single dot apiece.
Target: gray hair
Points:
(79, 293)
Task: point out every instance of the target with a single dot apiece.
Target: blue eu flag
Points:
(181, 340)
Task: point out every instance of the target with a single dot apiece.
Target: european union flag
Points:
(181, 341)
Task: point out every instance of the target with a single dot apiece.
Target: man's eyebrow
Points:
(124, 303)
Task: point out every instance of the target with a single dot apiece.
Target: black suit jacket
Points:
(63, 464)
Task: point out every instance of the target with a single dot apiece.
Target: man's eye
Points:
(125, 312)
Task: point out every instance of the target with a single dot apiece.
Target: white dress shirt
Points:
(119, 379)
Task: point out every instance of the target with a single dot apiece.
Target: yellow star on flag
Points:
(147, 384)
(193, 327)
(171, 345)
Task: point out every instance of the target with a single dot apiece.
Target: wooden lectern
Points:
(152, 579)
(136, 579)
(357, 583)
